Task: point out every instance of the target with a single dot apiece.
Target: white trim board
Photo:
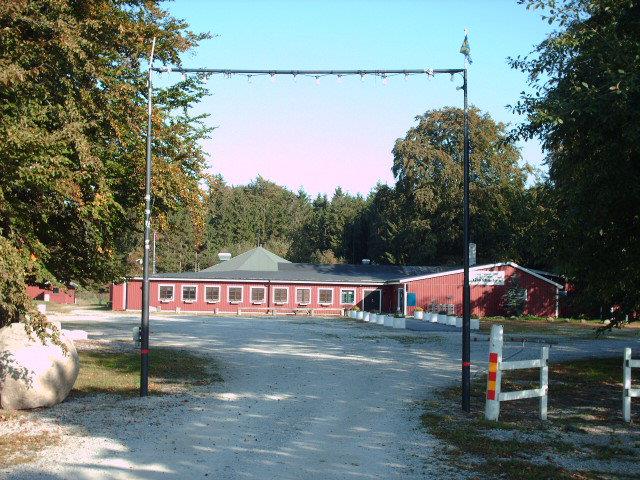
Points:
(480, 267)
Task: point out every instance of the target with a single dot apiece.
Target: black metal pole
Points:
(144, 330)
(466, 291)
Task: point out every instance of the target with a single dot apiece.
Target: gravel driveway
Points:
(303, 398)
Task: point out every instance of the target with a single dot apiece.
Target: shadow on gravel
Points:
(300, 401)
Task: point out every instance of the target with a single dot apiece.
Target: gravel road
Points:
(303, 398)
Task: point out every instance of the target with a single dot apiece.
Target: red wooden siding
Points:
(63, 295)
(485, 299)
(133, 292)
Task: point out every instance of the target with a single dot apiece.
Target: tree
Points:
(584, 107)
(428, 166)
(72, 123)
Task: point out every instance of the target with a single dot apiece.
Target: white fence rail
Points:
(494, 377)
(627, 392)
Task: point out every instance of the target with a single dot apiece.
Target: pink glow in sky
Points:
(319, 137)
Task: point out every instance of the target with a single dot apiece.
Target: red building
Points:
(49, 293)
(259, 281)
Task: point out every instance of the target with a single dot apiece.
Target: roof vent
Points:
(224, 256)
(366, 261)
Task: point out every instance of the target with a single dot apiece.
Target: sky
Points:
(301, 134)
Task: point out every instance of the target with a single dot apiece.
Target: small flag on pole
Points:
(465, 49)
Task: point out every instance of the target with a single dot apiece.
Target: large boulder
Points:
(33, 374)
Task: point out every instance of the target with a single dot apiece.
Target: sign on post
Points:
(494, 377)
(486, 277)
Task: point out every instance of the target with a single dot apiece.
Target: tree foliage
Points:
(584, 108)
(72, 131)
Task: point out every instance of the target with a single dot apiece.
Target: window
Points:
(303, 296)
(189, 293)
(325, 296)
(235, 294)
(212, 294)
(348, 296)
(165, 293)
(258, 294)
(280, 295)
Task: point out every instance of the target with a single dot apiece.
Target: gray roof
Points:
(258, 260)
(260, 264)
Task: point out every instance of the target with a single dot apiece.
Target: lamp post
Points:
(466, 290)
(144, 330)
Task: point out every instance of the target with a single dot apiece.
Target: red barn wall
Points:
(129, 296)
(66, 296)
(485, 299)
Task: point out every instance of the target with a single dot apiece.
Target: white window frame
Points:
(286, 289)
(219, 293)
(182, 293)
(355, 296)
(173, 292)
(234, 302)
(332, 296)
(264, 295)
(303, 288)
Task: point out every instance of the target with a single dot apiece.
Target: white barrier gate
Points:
(627, 391)
(494, 377)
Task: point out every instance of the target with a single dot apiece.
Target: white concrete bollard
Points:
(475, 324)
(418, 314)
(360, 315)
(388, 321)
(459, 322)
(433, 317)
(399, 322)
(442, 318)
(366, 316)
(451, 320)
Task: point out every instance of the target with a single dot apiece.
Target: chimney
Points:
(224, 256)
(366, 261)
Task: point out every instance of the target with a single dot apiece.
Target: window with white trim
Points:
(348, 296)
(325, 296)
(212, 293)
(165, 293)
(280, 295)
(189, 293)
(235, 294)
(303, 296)
(258, 294)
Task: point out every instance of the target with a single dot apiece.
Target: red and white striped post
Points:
(492, 406)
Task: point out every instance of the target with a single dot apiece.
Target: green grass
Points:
(583, 395)
(119, 372)
(565, 327)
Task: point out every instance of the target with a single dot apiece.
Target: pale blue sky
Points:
(318, 137)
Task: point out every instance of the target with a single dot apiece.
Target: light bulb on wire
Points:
(339, 78)
(273, 77)
(317, 80)
(385, 80)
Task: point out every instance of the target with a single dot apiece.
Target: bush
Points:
(514, 299)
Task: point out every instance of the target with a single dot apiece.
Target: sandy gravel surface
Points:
(302, 399)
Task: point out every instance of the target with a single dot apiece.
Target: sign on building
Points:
(486, 277)
(472, 254)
